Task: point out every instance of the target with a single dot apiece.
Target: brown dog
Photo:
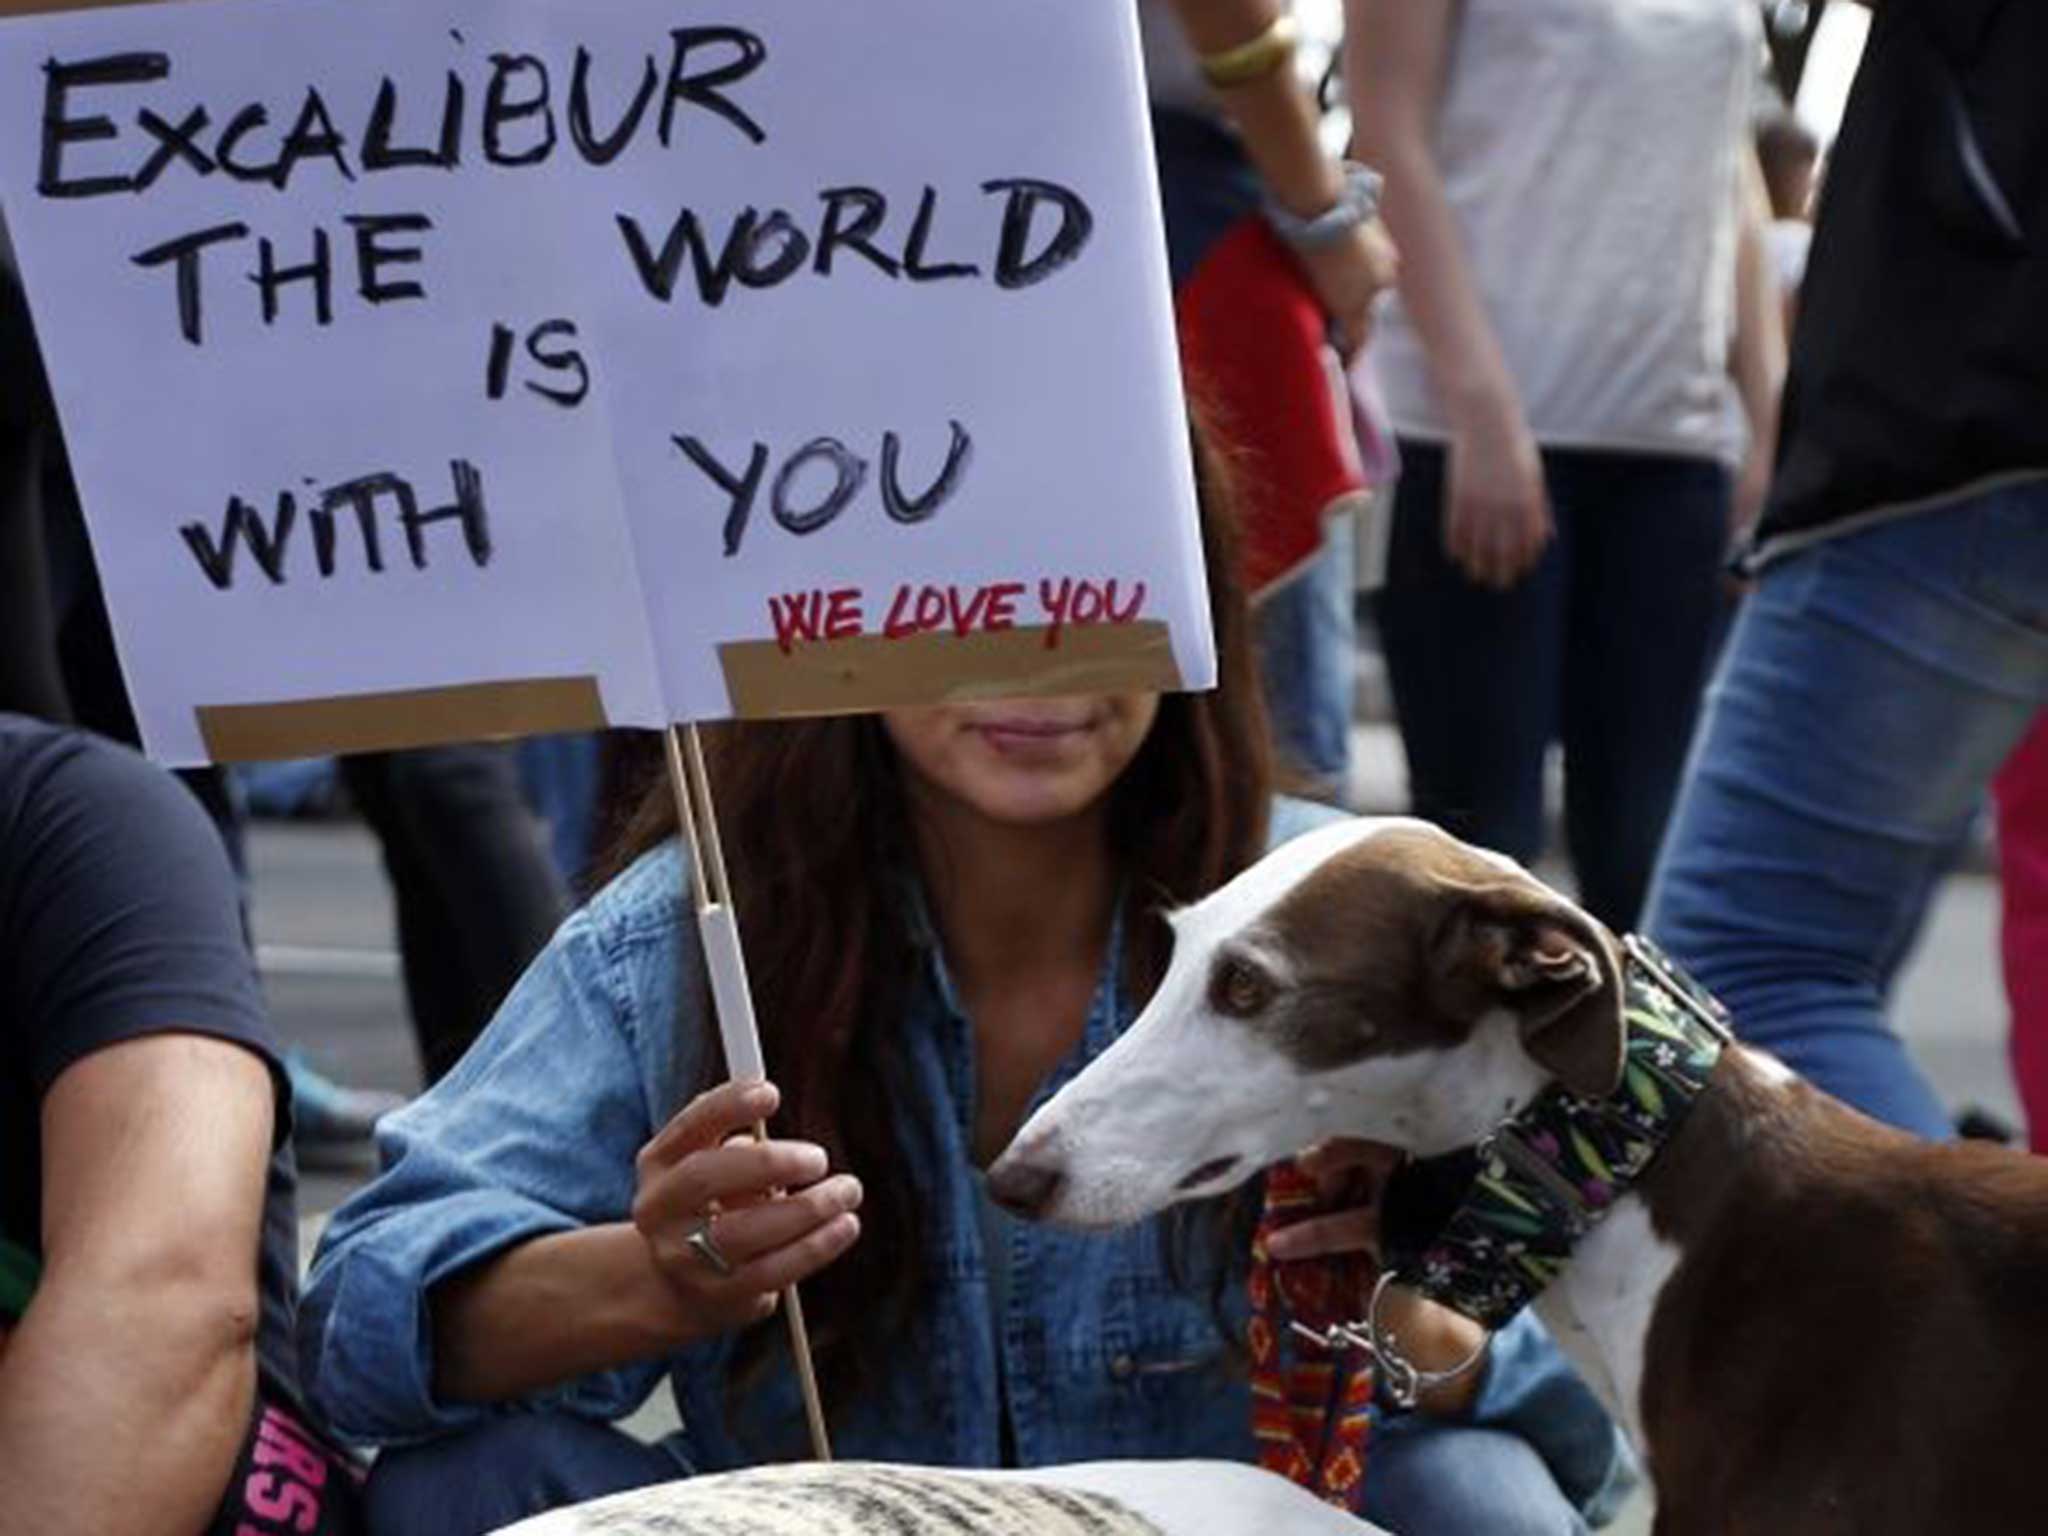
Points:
(1810, 1323)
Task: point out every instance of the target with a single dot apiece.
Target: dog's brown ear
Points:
(1517, 945)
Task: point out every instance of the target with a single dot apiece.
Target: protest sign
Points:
(445, 368)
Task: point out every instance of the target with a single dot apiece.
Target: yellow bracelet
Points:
(1254, 60)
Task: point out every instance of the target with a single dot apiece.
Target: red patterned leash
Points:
(1309, 1404)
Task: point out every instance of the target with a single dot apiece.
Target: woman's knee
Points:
(504, 1471)
(1446, 1477)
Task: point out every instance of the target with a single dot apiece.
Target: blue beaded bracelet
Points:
(1358, 203)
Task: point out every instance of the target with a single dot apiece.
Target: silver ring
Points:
(699, 1241)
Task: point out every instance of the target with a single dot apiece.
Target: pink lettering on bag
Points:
(277, 1444)
(280, 1498)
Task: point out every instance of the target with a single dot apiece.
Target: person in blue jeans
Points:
(1895, 648)
(949, 912)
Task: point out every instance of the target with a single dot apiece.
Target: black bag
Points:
(288, 1479)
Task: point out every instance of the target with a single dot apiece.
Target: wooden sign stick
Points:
(718, 927)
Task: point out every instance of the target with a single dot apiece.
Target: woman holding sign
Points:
(950, 911)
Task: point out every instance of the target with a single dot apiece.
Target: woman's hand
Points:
(772, 1213)
(1433, 1337)
(565, 1305)
(1746, 505)
(1343, 1168)
(1496, 514)
(1752, 491)
(1349, 275)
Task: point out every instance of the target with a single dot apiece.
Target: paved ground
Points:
(323, 925)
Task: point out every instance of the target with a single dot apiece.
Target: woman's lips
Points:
(1034, 727)
(1031, 733)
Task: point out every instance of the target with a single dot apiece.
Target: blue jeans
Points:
(1872, 687)
(1476, 1480)
(1307, 637)
(295, 788)
(560, 776)
(477, 894)
(1433, 1480)
(1604, 646)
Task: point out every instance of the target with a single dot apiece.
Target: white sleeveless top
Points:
(1589, 151)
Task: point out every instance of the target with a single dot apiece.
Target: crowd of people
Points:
(1563, 427)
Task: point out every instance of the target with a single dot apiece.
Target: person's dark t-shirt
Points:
(119, 919)
(1920, 364)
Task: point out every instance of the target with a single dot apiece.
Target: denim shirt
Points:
(1100, 1349)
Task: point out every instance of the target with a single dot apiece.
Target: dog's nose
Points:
(1024, 1188)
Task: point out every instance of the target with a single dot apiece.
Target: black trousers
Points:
(57, 660)
(31, 678)
(1604, 646)
(476, 892)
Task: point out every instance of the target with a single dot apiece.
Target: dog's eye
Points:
(1239, 988)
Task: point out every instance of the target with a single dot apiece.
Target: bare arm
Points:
(1396, 54)
(140, 1340)
(1278, 122)
(1273, 112)
(1757, 358)
(498, 1327)
(1433, 1337)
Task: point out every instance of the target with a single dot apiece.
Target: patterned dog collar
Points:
(1486, 1230)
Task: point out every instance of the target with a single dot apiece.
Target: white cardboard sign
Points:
(414, 345)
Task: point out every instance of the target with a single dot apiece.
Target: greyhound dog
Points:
(1808, 1322)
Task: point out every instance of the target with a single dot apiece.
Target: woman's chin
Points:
(1022, 798)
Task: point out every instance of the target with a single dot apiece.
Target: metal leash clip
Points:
(1404, 1380)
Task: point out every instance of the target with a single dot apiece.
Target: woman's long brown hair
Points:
(819, 849)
